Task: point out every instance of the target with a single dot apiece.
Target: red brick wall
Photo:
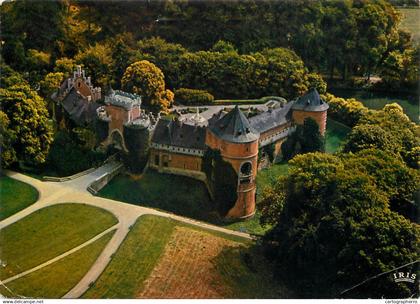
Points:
(175, 160)
(118, 117)
(81, 86)
(319, 117)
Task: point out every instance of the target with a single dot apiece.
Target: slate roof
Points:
(234, 127)
(80, 110)
(175, 133)
(272, 118)
(311, 101)
(123, 99)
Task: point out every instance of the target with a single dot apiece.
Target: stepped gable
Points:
(176, 133)
(311, 101)
(272, 118)
(234, 127)
(80, 110)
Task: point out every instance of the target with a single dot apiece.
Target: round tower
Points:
(311, 105)
(237, 142)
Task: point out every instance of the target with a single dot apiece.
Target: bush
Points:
(346, 111)
(193, 97)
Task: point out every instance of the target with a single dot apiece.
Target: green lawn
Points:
(177, 194)
(55, 280)
(140, 252)
(411, 21)
(134, 260)
(48, 233)
(15, 196)
(335, 135)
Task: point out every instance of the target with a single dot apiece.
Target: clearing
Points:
(15, 196)
(47, 233)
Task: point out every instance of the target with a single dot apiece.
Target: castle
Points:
(178, 145)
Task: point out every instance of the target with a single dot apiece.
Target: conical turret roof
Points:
(234, 127)
(311, 101)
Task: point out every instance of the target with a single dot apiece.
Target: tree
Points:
(222, 46)
(306, 138)
(97, 60)
(28, 118)
(333, 216)
(365, 136)
(222, 179)
(312, 140)
(147, 80)
(285, 73)
(35, 25)
(51, 83)
(164, 55)
(391, 175)
(65, 65)
(388, 129)
(9, 77)
(7, 139)
(400, 69)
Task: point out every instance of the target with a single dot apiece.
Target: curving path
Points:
(52, 193)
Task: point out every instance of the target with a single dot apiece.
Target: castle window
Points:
(165, 160)
(79, 84)
(157, 160)
(246, 168)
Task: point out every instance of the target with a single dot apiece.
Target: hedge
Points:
(193, 97)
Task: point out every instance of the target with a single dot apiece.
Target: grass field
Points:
(335, 135)
(48, 233)
(411, 21)
(183, 262)
(15, 196)
(177, 194)
(55, 280)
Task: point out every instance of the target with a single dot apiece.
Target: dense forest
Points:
(203, 44)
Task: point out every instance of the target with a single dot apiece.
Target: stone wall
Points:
(103, 180)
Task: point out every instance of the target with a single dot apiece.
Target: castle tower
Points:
(237, 142)
(311, 105)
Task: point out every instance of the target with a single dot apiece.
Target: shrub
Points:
(193, 97)
(346, 111)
